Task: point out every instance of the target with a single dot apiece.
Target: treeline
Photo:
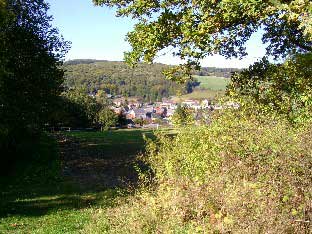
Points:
(146, 81)
(215, 71)
(76, 109)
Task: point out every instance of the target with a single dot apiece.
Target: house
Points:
(190, 103)
(205, 103)
(130, 114)
(134, 104)
(109, 95)
(140, 113)
(149, 108)
(118, 110)
(169, 113)
(119, 101)
(136, 114)
(168, 104)
(217, 107)
(193, 104)
(162, 111)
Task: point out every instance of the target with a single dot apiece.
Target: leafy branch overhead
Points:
(195, 29)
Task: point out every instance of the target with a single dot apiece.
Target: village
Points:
(139, 114)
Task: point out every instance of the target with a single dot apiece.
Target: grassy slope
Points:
(211, 87)
(40, 201)
(201, 94)
(212, 82)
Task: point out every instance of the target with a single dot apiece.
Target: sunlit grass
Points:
(39, 200)
(212, 82)
(198, 94)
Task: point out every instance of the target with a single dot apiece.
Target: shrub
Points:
(245, 173)
(285, 88)
(107, 118)
(182, 116)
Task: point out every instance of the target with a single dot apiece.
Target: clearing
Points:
(96, 168)
(212, 82)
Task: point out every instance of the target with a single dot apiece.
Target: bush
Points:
(182, 116)
(245, 173)
(107, 118)
(285, 88)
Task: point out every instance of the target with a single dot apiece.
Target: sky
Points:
(96, 33)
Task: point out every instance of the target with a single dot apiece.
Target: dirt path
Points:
(92, 167)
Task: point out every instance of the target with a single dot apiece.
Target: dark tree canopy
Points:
(30, 74)
(195, 29)
(31, 59)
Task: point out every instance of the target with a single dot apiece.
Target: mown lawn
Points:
(39, 199)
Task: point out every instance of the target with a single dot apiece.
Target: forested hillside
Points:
(145, 80)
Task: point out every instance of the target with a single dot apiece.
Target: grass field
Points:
(211, 87)
(40, 199)
(212, 82)
(199, 94)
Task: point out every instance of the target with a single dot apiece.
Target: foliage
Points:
(196, 29)
(30, 73)
(285, 88)
(117, 78)
(77, 109)
(244, 173)
(101, 98)
(146, 81)
(140, 121)
(215, 72)
(182, 116)
(107, 118)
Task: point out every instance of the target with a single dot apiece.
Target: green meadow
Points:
(212, 82)
(41, 198)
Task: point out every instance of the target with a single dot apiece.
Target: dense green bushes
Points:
(245, 173)
(76, 109)
(248, 171)
(284, 88)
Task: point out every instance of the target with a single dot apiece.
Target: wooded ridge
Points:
(145, 80)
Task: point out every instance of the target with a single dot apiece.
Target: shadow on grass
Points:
(106, 158)
(45, 198)
(38, 188)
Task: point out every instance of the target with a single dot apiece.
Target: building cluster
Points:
(148, 114)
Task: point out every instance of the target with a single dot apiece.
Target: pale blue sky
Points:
(96, 33)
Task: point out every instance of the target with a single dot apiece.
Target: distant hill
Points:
(216, 71)
(146, 81)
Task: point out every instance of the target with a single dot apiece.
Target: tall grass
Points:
(245, 173)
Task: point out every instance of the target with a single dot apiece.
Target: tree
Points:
(101, 97)
(182, 116)
(31, 77)
(80, 110)
(285, 88)
(107, 118)
(32, 57)
(195, 29)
